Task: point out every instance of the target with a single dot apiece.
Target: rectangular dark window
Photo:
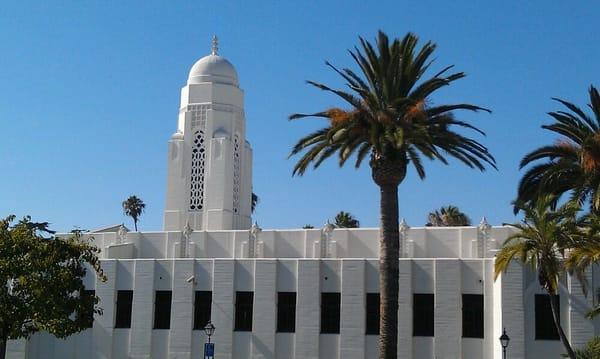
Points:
(162, 309)
(243, 311)
(88, 315)
(372, 314)
(123, 315)
(544, 322)
(202, 307)
(286, 312)
(472, 316)
(423, 315)
(330, 313)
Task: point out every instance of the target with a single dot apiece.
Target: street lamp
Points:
(504, 339)
(209, 329)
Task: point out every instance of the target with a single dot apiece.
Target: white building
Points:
(294, 293)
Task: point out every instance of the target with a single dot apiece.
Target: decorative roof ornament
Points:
(255, 230)
(484, 226)
(122, 233)
(404, 226)
(328, 228)
(187, 230)
(215, 45)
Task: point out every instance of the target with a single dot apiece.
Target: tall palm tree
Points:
(572, 163)
(448, 216)
(585, 251)
(133, 207)
(540, 241)
(391, 119)
(346, 220)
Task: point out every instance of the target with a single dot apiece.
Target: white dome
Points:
(213, 68)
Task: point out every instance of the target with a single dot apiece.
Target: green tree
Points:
(570, 165)
(590, 351)
(42, 281)
(133, 207)
(391, 119)
(308, 226)
(448, 216)
(346, 220)
(540, 242)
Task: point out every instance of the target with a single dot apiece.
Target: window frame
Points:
(244, 311)
(162, 317)
(473, 316)
(428, 317)
(331, 307)
(286, 312)
(121, 305)
(201, 307)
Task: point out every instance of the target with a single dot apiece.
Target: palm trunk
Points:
(135, 224)
(561, 333)
(389, 252)
(2, 345)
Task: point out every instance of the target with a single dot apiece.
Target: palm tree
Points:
(390, 118)
(133, 207)
(346, 220)
(585, 251)
(572, 163)
(540, 241)
(449, 216)
(590, 351)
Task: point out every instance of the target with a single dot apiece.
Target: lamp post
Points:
(209, 348)
(504, 339)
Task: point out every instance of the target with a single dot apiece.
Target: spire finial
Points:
(215, 45)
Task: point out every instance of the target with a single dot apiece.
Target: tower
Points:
(209, 176)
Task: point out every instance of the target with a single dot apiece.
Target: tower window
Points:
(123, 315)
(243, 311)
(472, 316)
(544, 322)
(197, 172)
(286, 312)
(162, 309)
(202, 308)
(236, 173)
(423, 322)
(330, 313)
(372, 322)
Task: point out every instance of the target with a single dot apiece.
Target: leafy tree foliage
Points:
(308, 226)
(390, 118)
(570, 165)
(346, 220)
(540, 241)
(448, 216)
(42, 281)
(590, 351)
(133, 207)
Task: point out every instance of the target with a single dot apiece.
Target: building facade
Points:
(306, 293)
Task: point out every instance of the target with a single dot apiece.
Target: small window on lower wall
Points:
(243, 311)
(372, 323)
(162, 309)
(423, 323)
(544, 322)
(202, 308)
(286, 312)
(330, 313)
(472, 316)
(123, 310)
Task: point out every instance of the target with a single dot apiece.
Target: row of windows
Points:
(423, 313)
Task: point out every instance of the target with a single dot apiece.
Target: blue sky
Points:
(89, 95)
